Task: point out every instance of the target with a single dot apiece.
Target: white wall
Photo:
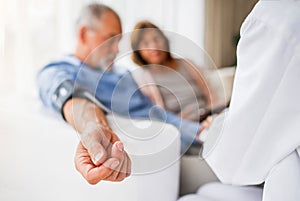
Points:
(35, 31)
(185, 17)
(190, 21)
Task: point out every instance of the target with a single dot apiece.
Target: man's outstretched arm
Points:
(100, 155)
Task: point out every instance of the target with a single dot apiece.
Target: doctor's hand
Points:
(101, 156)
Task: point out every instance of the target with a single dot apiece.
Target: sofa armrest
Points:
(154, 149)
(37, 153)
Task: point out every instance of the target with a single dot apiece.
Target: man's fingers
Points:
(123, 171)
(96, 174)
(96, 150)
(128, 168)
(117, 175)
(117, 151)
(82, 157)
(97, 153)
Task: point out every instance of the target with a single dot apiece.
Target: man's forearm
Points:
(90, 122)
(81, 113)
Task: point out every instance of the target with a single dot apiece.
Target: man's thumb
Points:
(96, 151)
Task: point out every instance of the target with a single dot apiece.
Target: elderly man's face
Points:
(103, 42)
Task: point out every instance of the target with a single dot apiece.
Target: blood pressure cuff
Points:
(67, 90)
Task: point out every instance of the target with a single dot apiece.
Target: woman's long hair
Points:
(136, 37)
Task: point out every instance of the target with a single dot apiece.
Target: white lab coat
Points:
(260, 137)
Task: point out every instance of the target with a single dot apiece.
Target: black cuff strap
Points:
(68, 90)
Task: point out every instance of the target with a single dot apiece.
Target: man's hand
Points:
(116, 168)
(207, 122)
(106, 153)
(205, 125)
(100, 155)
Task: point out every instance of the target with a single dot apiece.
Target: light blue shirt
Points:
(117, 92)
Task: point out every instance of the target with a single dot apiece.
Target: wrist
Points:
(95, 129)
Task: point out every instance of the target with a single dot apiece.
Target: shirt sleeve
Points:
(49, 79)
(188, 129)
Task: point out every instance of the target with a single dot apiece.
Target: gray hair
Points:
(91, 14)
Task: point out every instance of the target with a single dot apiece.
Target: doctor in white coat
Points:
(258, 140)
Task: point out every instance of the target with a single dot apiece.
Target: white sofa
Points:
(37, 151)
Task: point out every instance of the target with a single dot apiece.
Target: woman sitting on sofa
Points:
(172, 83)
